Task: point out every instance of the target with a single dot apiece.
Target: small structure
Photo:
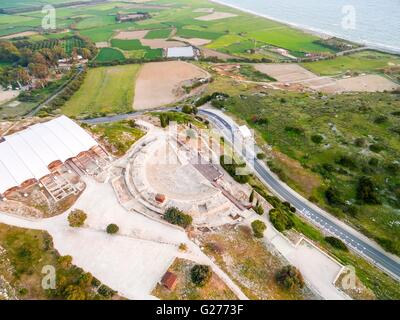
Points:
(128, 17)
(245, 132)
(160, 198)
(181, 52)
(169, 280)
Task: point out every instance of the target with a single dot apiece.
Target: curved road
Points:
(319, 218)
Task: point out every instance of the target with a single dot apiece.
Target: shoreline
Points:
(314, 31)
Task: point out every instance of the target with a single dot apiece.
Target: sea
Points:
(375, 23)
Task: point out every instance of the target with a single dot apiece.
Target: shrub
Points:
(333, 197)
(360, 142)
(280, 220)
(258, 228)
(77, 218)
(346, 161)
(106, 291)
(380, 119)
(112, 228)
(175, 216)
(336, 243)
(317, 138)
(290, 278)
(259, 209)
(200, 275)
(366, 191)
(294, 130)
(377, 147)
(261, 156)
(74, 292)
(65, 261)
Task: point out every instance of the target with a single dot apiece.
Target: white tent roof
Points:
(26, 154)
(180, 52)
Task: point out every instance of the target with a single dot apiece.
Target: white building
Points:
(181, 52)
(28, 155)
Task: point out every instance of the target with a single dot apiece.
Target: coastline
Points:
(314, 31)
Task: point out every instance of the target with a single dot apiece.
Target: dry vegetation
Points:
(248, 262)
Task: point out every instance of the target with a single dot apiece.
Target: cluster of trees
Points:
(27, 62)
(200, 275)
(232, 167)
(74, 283)
(164, 120)
(176, 216)
(281, 219)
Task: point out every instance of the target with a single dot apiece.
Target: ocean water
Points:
(372, 22)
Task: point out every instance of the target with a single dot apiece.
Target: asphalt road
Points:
(321, 219)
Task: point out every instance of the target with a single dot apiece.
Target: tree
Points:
(333, 197)
(112, 228)
(258, 228)
(251, 198)
(187, 109)
(175, 216)
(259, 208)
(164, 120)
(40, 71)
(77, 218)
(290, 278)
(200, 275)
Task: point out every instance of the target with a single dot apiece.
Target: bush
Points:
(377, 147)
(112, 228)
(280, 220)
(317, 138)
(106, 291)
(175, 216)
(259, 209)
(258, 228)
(336, 243)
(77, 218)
(366, 191)
(290, 278)
(380, 119)
(333, 197)
(200, 275)
(261, 156)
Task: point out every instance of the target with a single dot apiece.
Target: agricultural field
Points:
(109, 54)
(158, 34)
(106, 90)
(225, 29)
(360, 62)
(330, 148)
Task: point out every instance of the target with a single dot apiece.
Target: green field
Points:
(127, 44)
(106, 90)
(365, 61)
(109, 54)
(158, 34)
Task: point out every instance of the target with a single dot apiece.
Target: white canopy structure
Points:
(26, 155)
(180, 52)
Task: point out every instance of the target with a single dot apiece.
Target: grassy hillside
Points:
(341, 152)
(365, 61)
(105, 90)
